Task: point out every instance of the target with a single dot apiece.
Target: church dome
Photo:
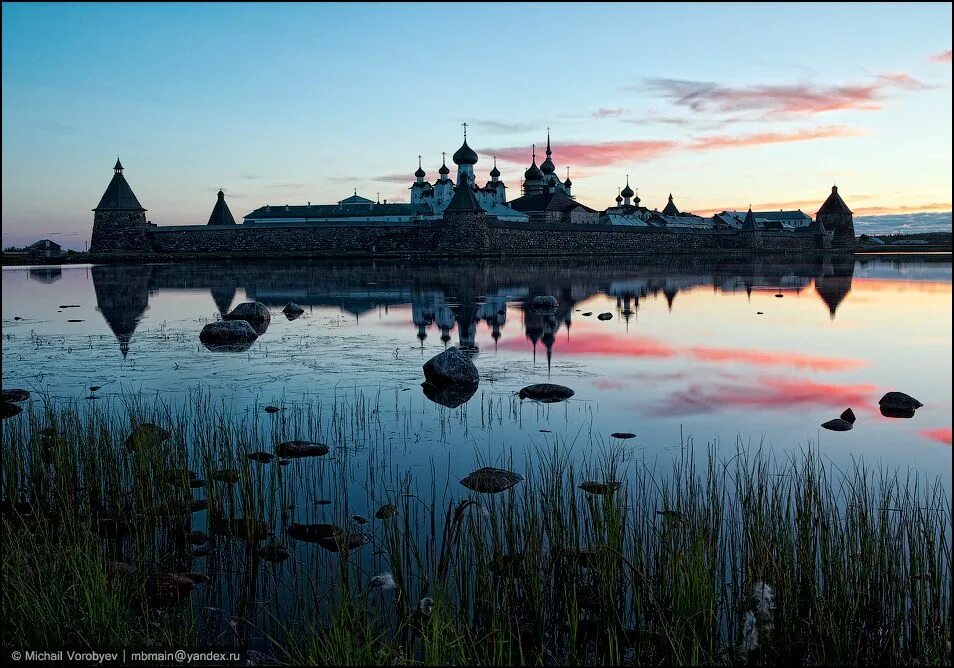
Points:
(465, 155)
(568, 182)
(420, 173)
(619, 199)
(547, 167)
(533, 173)
(444, 171)
(495, 172)
(627, 191)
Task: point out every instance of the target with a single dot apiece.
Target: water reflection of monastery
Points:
(451, 301)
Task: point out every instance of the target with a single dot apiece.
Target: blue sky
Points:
(722, 105)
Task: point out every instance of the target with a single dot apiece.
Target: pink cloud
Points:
(941, 434)
(596, 154)
(942, 57)
(703, 96)
(608, 384)
(603, 112)
(767, 393)
(768, 358)
(762, 138)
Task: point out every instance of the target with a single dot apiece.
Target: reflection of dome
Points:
(122, 296)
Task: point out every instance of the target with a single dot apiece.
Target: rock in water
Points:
(898, 405)
(848, 416)
(547, 393)
(261, 457)
(315, 533)
(451, 367)
(250, 312)
(274, 552)
(16, 395)
(301, 449)
(600, 488)
(622, 435)
(386, 511)
(837, 425)
(588, 314)
(489, 480)
(230, 336)
(605, 316)
(450, 396)
(243, 528)
(8, 410)
(291, 308)
(146, 434)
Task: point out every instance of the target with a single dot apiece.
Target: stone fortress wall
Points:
(466, 234)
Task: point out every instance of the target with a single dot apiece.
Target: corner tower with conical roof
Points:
(119, 220)
(220, 212)
(835, 216)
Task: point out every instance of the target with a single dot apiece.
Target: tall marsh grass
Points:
(749, 559)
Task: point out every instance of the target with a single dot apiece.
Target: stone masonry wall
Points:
(462, 234)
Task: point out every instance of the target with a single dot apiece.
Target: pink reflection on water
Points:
(939, 434)
(768, 392)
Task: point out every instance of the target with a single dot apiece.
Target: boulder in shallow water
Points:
(261, 457)
(490, 480)
(898, 405)
(623, 435)
(15, 395)
(848, 416)
(315, 533)
(837, 425)
(547, 393)
(450, 396)
(598, 488)
(291, 308)
(451, 367)
(228, 335)
(242, 528)
(301, 449)
(249, 312)
(386, 511)
(605, 316)
(146, 434)
(9, 410)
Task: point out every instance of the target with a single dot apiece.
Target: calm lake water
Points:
(686, 354)
(698, 350)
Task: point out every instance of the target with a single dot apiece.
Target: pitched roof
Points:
(834, 204)
(118, 196)
(43, 243)
(356, 199)
(220, 212)
(463, 199)
(670, 209)
(366, 209)
(555, 201)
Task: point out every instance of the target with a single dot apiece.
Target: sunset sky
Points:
(722, 105)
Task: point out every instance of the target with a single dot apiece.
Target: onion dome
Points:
(465, 155)
(533, 173)
(443, 171)
(627, 191)
(494, 173)
(420, 171)
(568, 182)
(547, 167)
(619, 199)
